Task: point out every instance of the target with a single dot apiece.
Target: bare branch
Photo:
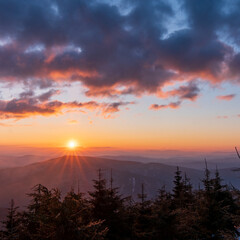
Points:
(237, 152)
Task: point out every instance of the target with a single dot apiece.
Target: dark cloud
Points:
(40, 83)
(114, 107)
(30, 96)
(186, 51)
(117, 49)
(234, 66)
(170, 105)
(190, 91)
(27, 94)
(204, 16)
(47, 95)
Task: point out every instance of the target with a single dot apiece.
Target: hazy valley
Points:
(78, 172)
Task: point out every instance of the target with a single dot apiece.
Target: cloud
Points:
(30, 95)
(27, 94)
(222, 117)
(190, 91)
(117, 48)
(234, 66)
(64, 47)
(41, 105)
(72, 121)
(173, 105)
(228, 97)
(190, 54)
(47, 95)
(14, 125)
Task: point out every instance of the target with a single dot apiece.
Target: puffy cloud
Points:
(226, 97)
(116, 47)
(187, 52)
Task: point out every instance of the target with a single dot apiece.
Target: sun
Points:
(72, 144)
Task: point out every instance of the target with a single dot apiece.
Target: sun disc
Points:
(72, 144)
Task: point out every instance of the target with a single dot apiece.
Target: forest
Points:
(210, 212)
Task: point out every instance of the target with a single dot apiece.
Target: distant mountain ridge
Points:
(78, 172)
(7, 161)
(189, 159)
(195, 162)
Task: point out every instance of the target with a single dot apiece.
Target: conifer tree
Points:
(143, 225)
(39, 222)
(74, 221)
(11, 224)
(164, 218)
(178, 190)
(182, 207)
(207, 182)
(212, 212)
(216, 209)
(107, 205)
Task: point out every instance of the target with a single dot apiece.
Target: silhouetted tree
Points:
(209, 213)
(107, 205)
(11, 224)
(143, 225)
(164, 219)
(216, 209)
(74, 221)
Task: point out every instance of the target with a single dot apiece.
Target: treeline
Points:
(212, 212)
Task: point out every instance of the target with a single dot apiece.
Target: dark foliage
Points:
(209, 213)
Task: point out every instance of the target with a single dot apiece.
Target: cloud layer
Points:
(116, 49)
(28, 105)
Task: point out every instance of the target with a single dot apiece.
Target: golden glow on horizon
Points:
(72, 144)
(211, 134)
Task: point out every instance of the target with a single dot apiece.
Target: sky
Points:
(120, 74)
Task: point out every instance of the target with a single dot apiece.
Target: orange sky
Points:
(169, 130)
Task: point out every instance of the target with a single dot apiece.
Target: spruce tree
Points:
(12, 223)
(182, 207)
(216, 209)
(164, 218)
(143, 225)
(178, 190)
(39, 220)
(107, 205)
(74, 221)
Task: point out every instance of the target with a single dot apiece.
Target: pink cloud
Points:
(222, 117)
(226, 97)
